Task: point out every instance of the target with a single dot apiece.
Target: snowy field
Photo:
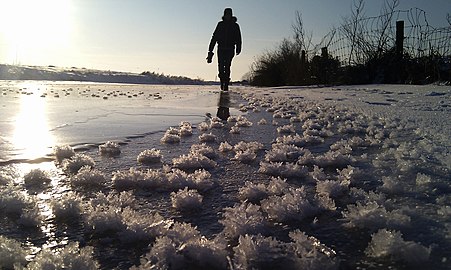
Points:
(117, 176)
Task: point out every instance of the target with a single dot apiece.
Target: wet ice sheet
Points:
(38, 115)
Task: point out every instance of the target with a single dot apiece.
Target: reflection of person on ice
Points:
(228, 36)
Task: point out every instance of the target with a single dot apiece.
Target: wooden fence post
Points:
(324, 52)
(399, 38)
(303, 66)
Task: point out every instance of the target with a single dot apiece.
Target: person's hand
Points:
(238, 51)
(210, 57)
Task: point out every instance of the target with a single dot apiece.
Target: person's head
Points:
(227, 14)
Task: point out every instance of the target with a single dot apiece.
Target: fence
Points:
(355, 44)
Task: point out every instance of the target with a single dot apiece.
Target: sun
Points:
(30, 26)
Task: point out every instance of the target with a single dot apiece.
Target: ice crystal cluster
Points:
(171, 136)
(216, 122)
(167, 179)
(114, 215)
(255, 192)
(204, 149)
(225, 147)
(242, 121)
(287, 129)
(182, 245)
(12, 255)
(76, 162)
(304, 252)
(36, 178)
(241, 219)
(373, 216)
(67, 208)
(262, 122)
(70, 257)
(62, 152)
(186, 200)
(186, 129)
(88, 177)
(207, 138)
(283, 169)
(292, 205)
(19, 207)
(193, 161)
(150, 156)
(109, 149)
(386, 243)
(246, 152)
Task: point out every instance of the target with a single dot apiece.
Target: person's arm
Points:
(238, 41)
(211, 46)
(214, 39)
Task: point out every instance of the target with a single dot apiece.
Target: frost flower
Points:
(109, 149)
(150, 156)
(193, 162)
(241, 219)
(390, 244)
(186, 200)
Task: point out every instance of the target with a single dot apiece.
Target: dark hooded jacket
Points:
(227, 34)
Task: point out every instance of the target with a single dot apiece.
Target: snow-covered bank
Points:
(52, 73)
(316, 178)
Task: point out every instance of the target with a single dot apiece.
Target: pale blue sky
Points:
(169, 36)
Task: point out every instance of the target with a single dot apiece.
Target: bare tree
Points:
(385, 21)
(366, 43)
(448, 18)
(353, 30)
(302, 39)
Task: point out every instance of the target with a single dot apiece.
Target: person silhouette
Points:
(228, 36)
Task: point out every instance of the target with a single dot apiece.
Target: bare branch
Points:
(387, 12)
(301, 38)
(353, 30)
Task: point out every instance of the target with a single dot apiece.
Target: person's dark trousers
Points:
(225, 57)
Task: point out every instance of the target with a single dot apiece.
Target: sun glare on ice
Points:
(31, 134)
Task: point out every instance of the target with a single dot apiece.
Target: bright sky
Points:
(169, 37)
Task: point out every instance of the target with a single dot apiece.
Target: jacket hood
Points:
(234, 19)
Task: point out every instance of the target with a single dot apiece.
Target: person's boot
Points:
(226, 85)
(222, 83)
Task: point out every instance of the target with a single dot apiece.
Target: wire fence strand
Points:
(378, 34)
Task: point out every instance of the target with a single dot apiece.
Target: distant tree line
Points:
(372, 55)
(170, 79)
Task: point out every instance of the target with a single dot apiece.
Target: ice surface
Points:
(75, 114)
(345, 177)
